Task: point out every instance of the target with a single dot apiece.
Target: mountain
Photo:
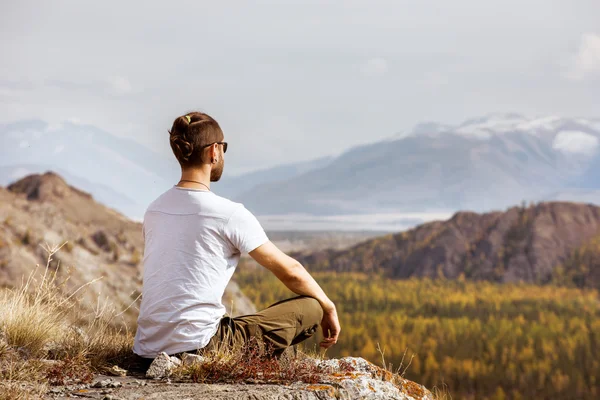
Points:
(101, 242)
(130, 170)
(102, 193)
(482, 164)
(555, 241)
(118, 172)
(233, 186)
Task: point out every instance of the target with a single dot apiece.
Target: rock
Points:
(101, 239)
(107, 383)
(162, 366)
(176, 361)
(348, 378)
(190, 359)
(359, 379)
(115, 370)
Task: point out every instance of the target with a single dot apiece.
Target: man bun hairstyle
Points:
(190, 133)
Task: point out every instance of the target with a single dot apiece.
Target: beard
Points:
(217, 170)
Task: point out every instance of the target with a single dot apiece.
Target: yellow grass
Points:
(40, 320)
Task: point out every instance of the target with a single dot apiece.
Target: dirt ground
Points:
(138, 388)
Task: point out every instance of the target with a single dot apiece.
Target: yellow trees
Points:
(473, 337)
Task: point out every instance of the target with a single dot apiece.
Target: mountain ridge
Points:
(538, 244)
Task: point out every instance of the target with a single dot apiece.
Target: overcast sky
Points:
(294, 80)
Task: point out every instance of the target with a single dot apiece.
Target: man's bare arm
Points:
(296, 278)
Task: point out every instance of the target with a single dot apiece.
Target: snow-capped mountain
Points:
(481, 164)
(497, 124)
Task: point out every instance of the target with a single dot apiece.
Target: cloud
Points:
(23, 144)
(375, 67)
(575, 142)
(120, 85)
(587, 60)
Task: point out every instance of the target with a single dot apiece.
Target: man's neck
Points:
(191, 177)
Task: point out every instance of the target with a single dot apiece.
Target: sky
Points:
(295, 80)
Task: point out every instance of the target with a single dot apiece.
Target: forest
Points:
(478, 340)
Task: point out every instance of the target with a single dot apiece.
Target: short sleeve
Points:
(244, 231)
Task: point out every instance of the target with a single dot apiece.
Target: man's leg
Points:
(279, 326)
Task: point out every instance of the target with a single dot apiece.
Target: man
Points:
(193, 242)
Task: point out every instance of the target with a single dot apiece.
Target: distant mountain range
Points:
(549, 242)
(120, 173)
(482, 164)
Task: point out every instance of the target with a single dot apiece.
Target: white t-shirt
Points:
(193, 242)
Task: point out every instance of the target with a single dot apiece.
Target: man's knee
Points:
(312, 312)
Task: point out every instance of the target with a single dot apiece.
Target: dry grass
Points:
(33, 315)
(20, 378)
(251, 363)
(21, 391)
(47, 339)
(441, 394)
(401, 370)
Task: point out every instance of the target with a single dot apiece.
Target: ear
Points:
(214, 153)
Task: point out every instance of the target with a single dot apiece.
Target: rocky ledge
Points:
(346, 378)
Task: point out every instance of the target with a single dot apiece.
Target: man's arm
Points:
(296, 278)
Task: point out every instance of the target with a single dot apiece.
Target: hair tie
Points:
(188, 118)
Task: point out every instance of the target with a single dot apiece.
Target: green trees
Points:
(482, 340)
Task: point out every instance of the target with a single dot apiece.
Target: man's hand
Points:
(331, 327)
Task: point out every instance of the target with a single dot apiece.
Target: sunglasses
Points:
(223, 143)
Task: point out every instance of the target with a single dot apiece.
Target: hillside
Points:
(535, 244)
(101, 242)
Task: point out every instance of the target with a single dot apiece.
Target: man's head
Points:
(196, 141)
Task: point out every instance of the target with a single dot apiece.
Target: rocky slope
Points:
(101, 243)
(530, 244)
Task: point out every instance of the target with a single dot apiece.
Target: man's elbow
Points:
(293, 274)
